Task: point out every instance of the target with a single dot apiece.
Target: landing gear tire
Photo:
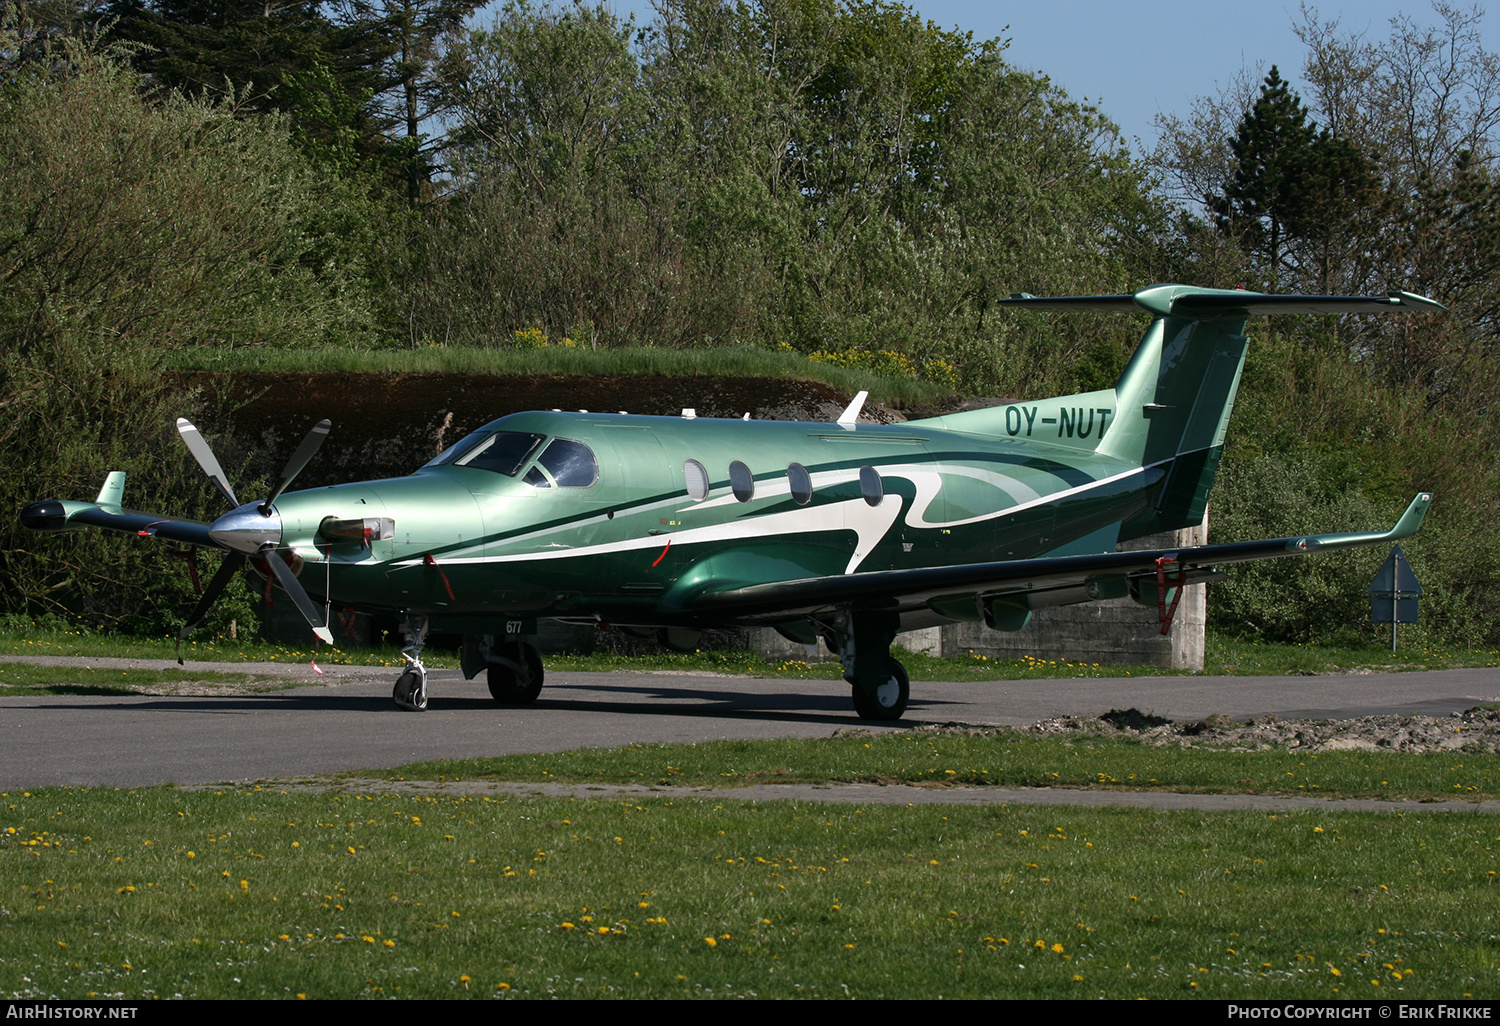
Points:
(889, 700)
(509, 687)
(410, 692)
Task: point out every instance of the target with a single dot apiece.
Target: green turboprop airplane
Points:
(845, 531)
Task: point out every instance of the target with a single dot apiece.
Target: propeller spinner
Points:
(252, 529)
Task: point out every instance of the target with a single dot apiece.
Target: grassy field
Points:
(31, 679)
(1225, 656)
(256, 893)
(1000, 758)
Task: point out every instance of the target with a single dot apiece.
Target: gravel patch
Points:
(1474, 730)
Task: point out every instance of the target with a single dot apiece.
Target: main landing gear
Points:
(888, 702)
(512, 666)
(514, 673)
(879, 683)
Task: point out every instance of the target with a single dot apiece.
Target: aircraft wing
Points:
(63, 516)
(910, 589)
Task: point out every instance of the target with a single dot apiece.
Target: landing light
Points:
(364, 531)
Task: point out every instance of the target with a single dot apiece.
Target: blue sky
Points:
(1136, 60)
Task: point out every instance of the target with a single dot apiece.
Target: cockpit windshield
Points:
(501, 452)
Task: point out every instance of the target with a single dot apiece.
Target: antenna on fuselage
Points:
(851, 412)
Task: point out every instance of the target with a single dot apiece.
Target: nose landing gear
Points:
(410, 692)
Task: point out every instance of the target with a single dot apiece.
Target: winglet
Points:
(851, 412)
(1412, 518)
(113, 492)
(1404, 528)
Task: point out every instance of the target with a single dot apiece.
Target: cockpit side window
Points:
(500, 452)
(571, 464)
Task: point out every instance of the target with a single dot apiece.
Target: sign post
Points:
(1394, 593)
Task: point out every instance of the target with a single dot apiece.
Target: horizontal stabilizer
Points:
(1244, 302)
(1066, 303)
(1190, 302)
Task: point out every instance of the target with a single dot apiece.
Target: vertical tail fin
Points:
(1173, 401)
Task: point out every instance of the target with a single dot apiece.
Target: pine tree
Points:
(1268, 190)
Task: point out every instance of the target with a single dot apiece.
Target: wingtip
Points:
(1412, 518)
(1412, 301)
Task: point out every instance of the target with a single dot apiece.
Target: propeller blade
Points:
(304, 603)
(205, 457)
(304, 454)
(227, 569)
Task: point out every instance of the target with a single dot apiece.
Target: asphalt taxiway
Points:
(347, 721)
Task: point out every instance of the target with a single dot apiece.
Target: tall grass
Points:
(720, 362)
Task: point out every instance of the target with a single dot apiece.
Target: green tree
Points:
(130, 227)
(1268, 191)
(287, 57)
(1341, 417)
(415, 98)
(831, 174)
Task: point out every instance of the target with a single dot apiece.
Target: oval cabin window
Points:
(800, 483)
(697, 480)
(741, 481)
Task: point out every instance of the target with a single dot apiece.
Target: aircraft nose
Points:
(246, 529)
